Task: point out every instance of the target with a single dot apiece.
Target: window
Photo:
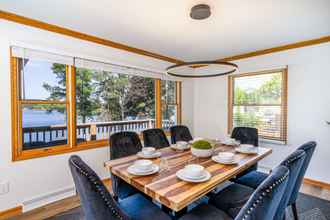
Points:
(170, 99)
(61, 104)
(259, 100)
(109, 102)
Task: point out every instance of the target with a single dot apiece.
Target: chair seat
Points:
(232, 198)
(206, 212)
(125, 190)
(252, 179)
(140, 208)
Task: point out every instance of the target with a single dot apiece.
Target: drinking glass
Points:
(164, 164)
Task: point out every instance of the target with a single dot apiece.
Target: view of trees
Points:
(104, 96)
(269, 92)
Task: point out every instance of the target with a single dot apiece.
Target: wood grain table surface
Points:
(174, 193)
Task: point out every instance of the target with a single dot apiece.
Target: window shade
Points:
(25, 53)
(119, 69)
(259, 101)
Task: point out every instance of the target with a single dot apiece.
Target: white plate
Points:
(175, 147)
(181, 175)
(228, 143)
(185, 174)
(134, 171)
(155, 155)
(218, 160)
(243, 151)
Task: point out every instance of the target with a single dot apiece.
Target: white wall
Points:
(308, 104)
(35, 179)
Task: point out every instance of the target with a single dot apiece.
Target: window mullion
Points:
(158, 103)
(71, 105)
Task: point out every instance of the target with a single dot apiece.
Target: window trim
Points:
(71, 146)
(284, 100)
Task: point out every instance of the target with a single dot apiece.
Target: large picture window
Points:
(58, 107)
(259, 100)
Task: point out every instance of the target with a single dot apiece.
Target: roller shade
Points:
(25, 53)
(119, 69)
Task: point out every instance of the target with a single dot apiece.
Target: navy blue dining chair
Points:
(232, 198)
(155, 137)
(123, 144)
(246, 135)
(254, 178)
(261, 205)
(180, 133)
(309, 149)
(98, 204)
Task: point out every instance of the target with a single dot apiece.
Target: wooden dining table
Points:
(166, 188)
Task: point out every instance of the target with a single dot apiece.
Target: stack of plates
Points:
(221, 160)
(151, 156)
(247, 149)
(184, 175)
(135, 170)
(176, 147)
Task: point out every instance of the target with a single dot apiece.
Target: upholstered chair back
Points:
(96, 201)
(155, 137)
(294, 163)
(246, 135)
(309, 149)
(180, 133)
(265, 200)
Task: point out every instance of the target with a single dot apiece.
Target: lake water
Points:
(35, 118)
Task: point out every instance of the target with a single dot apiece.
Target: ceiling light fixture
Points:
(200, 12)
(201, 69)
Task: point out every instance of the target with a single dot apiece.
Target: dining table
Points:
(166, 188)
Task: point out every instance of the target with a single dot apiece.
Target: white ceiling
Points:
(164, 26)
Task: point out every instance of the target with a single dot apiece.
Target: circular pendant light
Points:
(202, 69)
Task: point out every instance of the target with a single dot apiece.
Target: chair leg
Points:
(294, 211)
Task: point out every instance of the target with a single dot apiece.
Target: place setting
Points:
(227, 158)
(230, 141)
(181, 146)
(143, 168)
(149, 153)
(247, 149)
(194, 173)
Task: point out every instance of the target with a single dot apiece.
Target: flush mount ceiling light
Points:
(202, 69)
(201, 11)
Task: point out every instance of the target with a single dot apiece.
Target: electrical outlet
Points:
(4, 187)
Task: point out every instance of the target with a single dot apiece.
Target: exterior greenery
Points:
(105, 96)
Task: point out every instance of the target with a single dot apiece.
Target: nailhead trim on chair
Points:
(99, 190)
(263, 194)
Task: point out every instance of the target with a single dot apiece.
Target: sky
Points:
(35, 74)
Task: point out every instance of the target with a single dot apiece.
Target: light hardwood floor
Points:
(73, 202)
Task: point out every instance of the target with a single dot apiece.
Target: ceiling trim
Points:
(305, 43)
(82, 36)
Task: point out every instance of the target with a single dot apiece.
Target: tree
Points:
(84, 87)
(140, 99)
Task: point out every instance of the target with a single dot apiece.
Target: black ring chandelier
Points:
(200, 69)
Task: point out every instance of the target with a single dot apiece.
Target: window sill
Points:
(45, 152)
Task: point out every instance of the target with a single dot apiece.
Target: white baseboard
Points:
(45, 199)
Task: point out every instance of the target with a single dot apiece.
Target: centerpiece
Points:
(202, 148)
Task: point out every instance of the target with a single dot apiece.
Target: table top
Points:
(174, 193)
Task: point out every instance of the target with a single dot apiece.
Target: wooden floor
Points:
(73, 202)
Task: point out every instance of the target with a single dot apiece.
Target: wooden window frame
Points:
(19, 154)
(284, 100)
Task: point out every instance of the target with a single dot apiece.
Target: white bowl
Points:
(181, 144)
(148, 151)
(247, 147)
(226, 156)
(143, 165)
(194, 170)
(202, 152)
